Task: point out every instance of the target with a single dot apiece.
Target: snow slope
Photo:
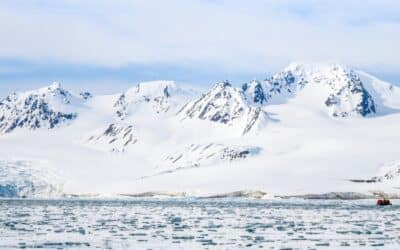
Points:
(308, 129)
(200, 155)
(146, 103)
(385, 95)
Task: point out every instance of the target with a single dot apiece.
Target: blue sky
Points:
(106, 46)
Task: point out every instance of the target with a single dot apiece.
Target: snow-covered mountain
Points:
(47, 107)
(155, 100)
(227, 105)
(159, 97)
(341, 89)
(276, 135)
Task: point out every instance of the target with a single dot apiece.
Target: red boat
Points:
(383, 202)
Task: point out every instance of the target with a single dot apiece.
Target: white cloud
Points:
(235, 35)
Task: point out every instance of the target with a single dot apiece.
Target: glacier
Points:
(24, 179)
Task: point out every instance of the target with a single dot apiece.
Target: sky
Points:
(107, 46)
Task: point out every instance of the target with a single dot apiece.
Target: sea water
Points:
(197, 224)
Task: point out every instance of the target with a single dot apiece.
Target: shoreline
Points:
(241, 194)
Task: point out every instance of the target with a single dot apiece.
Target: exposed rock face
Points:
(115, 138)
(255, 92)
(200, 155)
(44, 108)
(86, 95)
(349, 95)
(226, 105)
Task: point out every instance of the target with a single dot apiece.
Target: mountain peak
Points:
(341, 87)
(153, 88)
(159, 96)
(227, 105)
(225, 84)
(54, 85)
(46, 107)
(308, 67)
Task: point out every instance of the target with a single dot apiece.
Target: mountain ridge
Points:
(282, 138)
(343, 92)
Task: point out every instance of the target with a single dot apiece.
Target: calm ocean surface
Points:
(198, 224)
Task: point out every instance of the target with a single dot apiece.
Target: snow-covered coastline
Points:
(315, 132)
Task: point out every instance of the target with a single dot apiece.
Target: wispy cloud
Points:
(231, 35)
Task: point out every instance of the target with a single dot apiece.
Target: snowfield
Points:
(309, 129)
